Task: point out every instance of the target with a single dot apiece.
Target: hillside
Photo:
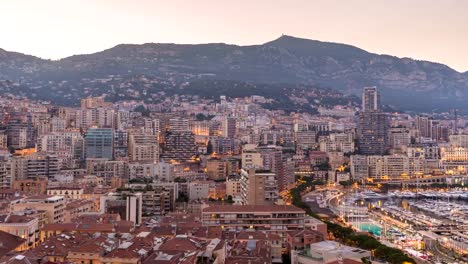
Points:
(285, 60)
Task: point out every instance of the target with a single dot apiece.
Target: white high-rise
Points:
(370, 99)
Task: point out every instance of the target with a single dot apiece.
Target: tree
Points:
(346, 183)
(324, 166)
(183, 198)
(209, 148)
(229, 199)
(179, 179)
(286, 259)
(143, 110)
(11, 149)
(201, 117)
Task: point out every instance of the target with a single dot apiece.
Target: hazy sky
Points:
(435, 30)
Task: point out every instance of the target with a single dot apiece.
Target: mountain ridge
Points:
(286, 59)
(227, 44)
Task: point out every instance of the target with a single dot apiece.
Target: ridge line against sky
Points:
(428, 30)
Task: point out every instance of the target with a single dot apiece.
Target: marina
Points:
(424, 224)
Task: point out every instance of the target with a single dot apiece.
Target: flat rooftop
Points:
(252, 208)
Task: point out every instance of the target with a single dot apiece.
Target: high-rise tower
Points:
(370, 99)
(372, 124)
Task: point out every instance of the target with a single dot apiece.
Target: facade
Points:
(54, 206)
(233, 186)
(390, 167)
(306, 139)
(372, 133)
(258, 187)
(31, 186)
(399, 138)
(179, 146)
(107, 169)
(21, 135)
(141, 170)
(216, 169)
(75, 208)
(200, 128)
(223, 146)
(179, 125)
(454, 159)
(273, 160)
(424, 126)
(229, 127)
(276, 218)
(22, 226)
(199, 190)
(5, 172)
(95, 117)
(370, 99)
(35, 165)
(337, 142)
(459, 140)
(93, 102)
(143, 147)
(99, 143)
(120, 144)
(134, 208)
(372, 124)
(165, 171)
(251, 158)
(72, 193)
(429, 128)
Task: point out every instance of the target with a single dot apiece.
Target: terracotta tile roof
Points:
(305, 232)
(163, 258)
(96, 218)
(68, 227)
(254, 252)
(180, 218)
(9, 242)
(180, 244)
(123, 226)
(20, 259)
(12, 218)
(95, 245)
(77, 203)
(248, 235)
(164, 230)
(60, 245)
(138, 247)
(81, 227)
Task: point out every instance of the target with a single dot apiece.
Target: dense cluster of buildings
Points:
(192, 180)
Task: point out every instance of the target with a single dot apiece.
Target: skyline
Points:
(422, 30)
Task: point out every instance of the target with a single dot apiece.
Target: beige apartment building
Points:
(22, 226)
(54, 206)
(258, 187)
(278, 218)
(143, 147)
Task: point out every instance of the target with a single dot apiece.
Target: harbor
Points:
(431, 226)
